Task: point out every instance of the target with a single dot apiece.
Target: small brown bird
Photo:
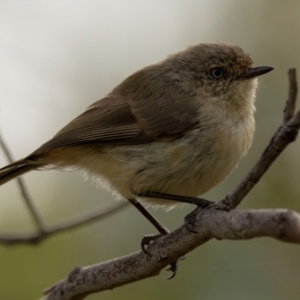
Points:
(175, 128)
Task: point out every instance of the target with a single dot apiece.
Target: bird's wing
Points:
(109, 121)
(115, 121)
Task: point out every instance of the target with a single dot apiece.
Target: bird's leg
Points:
(161, 228)
(190, 200)
(147, 239)
(201, 203)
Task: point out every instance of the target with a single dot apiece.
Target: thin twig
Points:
(280, 224)
(290, 107)
(37, 218)
(43, 230)
(84, 219)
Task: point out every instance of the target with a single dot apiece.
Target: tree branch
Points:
(84, 219)
(37, 218)
(210, 223)
(44, 231)
(219, 220)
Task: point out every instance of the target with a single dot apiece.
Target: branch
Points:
(218, 220)
(84, 219)
(25, 193)
(43, 230)
(210, 223)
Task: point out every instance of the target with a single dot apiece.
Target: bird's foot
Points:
(147, 240)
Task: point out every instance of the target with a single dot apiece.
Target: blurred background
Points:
(56, 58)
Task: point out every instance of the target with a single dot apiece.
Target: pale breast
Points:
(187, 166)
(191, 165)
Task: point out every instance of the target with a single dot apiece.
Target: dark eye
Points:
(217, 73)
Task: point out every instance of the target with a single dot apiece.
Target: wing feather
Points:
(108, 121)
(136, 112)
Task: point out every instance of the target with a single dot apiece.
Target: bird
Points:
(166, 134)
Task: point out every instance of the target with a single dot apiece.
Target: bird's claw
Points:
(147, 239)
(173, 268)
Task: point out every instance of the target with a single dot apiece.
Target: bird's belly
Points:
(189, 175)
(189, 166)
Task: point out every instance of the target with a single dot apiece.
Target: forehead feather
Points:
(220, 54)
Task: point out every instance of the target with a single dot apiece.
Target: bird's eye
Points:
(217, 73)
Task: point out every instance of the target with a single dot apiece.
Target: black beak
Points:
(254, 72)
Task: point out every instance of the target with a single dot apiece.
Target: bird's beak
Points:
(254, 72)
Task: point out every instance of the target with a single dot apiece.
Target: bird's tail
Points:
(15, 170)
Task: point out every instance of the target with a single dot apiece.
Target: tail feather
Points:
(14, 170)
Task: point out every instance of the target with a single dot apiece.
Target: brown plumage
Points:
(179, 126)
